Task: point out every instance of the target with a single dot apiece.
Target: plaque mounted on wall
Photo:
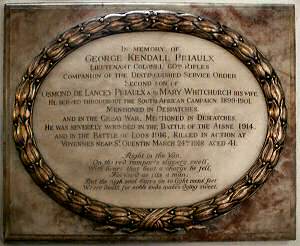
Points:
(147, 124)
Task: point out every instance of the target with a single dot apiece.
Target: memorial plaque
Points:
(149, 122)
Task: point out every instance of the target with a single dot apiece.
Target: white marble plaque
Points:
(150, 119)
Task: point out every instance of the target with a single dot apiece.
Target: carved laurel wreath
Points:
(167, 218)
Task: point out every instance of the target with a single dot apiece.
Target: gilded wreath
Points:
(167, 218)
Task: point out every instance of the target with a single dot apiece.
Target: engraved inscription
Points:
(138, 120)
